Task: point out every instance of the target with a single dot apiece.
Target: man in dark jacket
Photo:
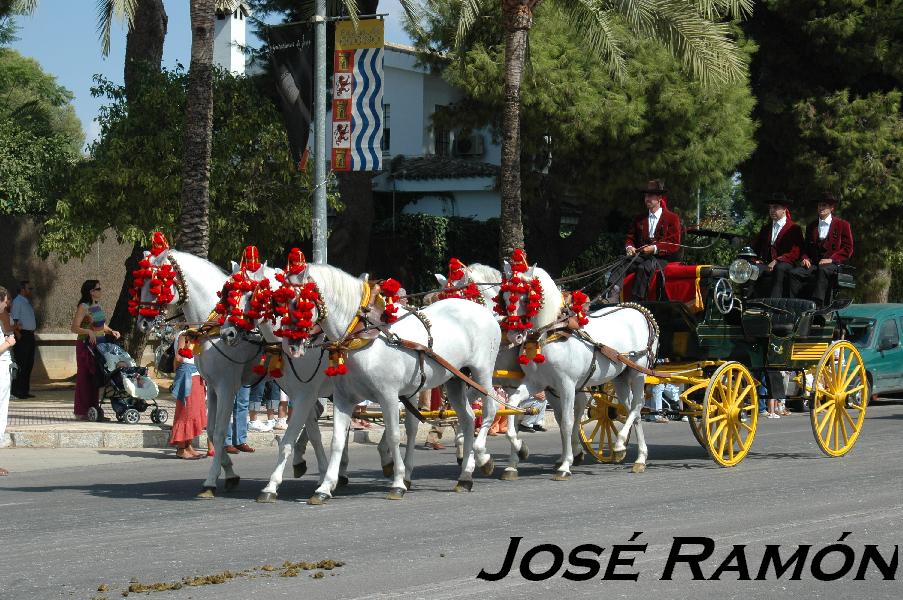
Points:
(653, 238)
(778, 246)
(828, 244)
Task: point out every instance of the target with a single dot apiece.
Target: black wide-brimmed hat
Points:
(776, 198)
(827, 198)
(654, 186)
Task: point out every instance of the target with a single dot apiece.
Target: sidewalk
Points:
(46, 421)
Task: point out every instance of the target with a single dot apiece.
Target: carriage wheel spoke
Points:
(825, 421)
(824, 406)
(849, 380)
(747, 427)
(843, 428)
(846, 415)
(830, 431)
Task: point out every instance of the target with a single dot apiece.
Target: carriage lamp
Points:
(742, 271)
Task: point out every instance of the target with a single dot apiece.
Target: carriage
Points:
(719, 342)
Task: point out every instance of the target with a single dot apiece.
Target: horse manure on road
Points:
(287, 569)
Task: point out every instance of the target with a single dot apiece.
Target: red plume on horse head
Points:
(519, 261)
(158, 243)
(296, 261)
(250, 259)
(455, 270)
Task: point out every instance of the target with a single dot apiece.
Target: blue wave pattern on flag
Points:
(367, 112)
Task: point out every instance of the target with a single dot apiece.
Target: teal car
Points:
(875, 329)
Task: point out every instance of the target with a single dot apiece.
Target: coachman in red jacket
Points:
(653, 239)
(829, 244)
(778, 246)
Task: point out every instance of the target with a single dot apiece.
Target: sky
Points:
(62, 36)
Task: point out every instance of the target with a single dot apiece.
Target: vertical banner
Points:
(292, 58)
(357, 96)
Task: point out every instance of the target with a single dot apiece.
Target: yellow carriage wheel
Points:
(730, 414)
(603, 421)
(691, 403)
(840, 398)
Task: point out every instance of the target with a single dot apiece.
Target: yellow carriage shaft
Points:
(449, 413)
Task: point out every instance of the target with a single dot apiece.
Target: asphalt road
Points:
(73, 520)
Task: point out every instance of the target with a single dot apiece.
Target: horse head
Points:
(156, 284)
(297, 304)
(474, 282)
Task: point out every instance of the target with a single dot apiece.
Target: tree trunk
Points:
(518, 18)
(194, 222)
(349, 242)
(144, 44)
(143, 55)
(873, 278)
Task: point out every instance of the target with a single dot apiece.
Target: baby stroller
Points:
(127, 387)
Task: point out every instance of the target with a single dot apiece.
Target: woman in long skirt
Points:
(191, 401)
(90, 323)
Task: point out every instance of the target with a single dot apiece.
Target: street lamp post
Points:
(319, 223)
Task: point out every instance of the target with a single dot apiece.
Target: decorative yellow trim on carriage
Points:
(812, 352)
(506, 374)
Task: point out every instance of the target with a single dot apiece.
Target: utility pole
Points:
(319, 224)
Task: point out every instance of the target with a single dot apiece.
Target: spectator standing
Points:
(191, 401)
(24, 323)
(237, 434)
(90, 324)
(657, 394)
(8, 341)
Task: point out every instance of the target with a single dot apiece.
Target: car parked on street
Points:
(875, 329)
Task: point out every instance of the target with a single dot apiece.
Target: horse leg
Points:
(385, 454)
(223, 405)
(464, 412)
(341, 416)
(288, 443)
(482, 458)
(623, 389)
(581, 400)
(411, 425)
(519, 450)
(637, 387)
(566, 430)
(391, 415)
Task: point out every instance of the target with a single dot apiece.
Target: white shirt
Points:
(823, 227)
(23, 314)
(776, 227)
(653, 221)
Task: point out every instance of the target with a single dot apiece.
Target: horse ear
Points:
(365, 277)
(529, 272)
(235, 267)
(443, 281)
(506, 268)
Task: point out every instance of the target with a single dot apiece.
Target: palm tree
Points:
(693, 31)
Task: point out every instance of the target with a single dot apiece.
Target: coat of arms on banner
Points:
(357, 105)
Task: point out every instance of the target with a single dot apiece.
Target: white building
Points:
(229, 38)
(439, 171)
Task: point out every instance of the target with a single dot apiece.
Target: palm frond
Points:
(413, 16)
(24, 7)
(703, 46)
(594, 26)
(638, 14)
(716, 9)
(107, 11)
(469, 11)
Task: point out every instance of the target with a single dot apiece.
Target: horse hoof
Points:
(488, 468)
(408, 484)
(267, 498)
(618, 455)
(395, 494)
(318, 499)
(342, 482)
(232, 483)
(524, 452)
(389, 469)
(299, 469)
(509, 475)
(638, 468)
(464, 486)
(206, 494)
(561, 476)
(578, 459)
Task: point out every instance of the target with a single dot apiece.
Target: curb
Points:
(149, 436)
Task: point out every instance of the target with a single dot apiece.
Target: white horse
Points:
(461, 333)
(487, 281)
(573, 364)
(224, 366)
(304, 380)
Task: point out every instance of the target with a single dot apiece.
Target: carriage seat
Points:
(784, 313)
(681, 285)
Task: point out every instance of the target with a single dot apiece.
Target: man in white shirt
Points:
(828, 244)
(24, 325)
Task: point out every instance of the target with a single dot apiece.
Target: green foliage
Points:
(422, 245)
(133, 179)
(40, 136)
(854, 146)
